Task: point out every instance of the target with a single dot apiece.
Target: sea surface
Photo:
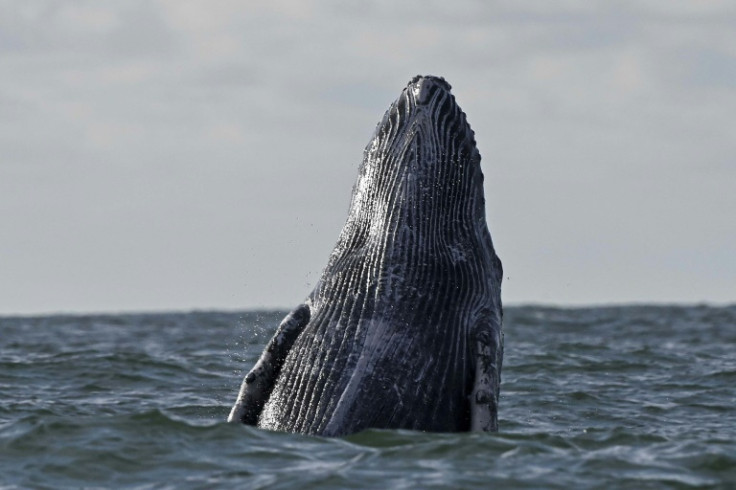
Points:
(615, 397)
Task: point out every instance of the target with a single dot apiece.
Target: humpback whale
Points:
(404, 327)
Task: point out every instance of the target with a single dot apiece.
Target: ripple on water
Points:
(638, 397)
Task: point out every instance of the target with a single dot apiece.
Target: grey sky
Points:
(178, 154)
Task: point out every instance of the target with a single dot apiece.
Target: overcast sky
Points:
(160, 155)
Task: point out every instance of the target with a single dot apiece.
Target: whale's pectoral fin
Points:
(259, 381)
(487, 345)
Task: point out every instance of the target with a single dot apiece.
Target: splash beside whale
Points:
(404, 327)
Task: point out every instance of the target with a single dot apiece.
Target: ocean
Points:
(604, 397)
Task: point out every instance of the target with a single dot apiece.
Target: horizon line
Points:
(284, 310)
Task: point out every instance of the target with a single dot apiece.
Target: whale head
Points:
(421, 168)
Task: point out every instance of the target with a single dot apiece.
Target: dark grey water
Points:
(627, 397)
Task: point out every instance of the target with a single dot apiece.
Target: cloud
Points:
(231, 131)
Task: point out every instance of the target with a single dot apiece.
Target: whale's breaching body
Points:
(403, 329)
